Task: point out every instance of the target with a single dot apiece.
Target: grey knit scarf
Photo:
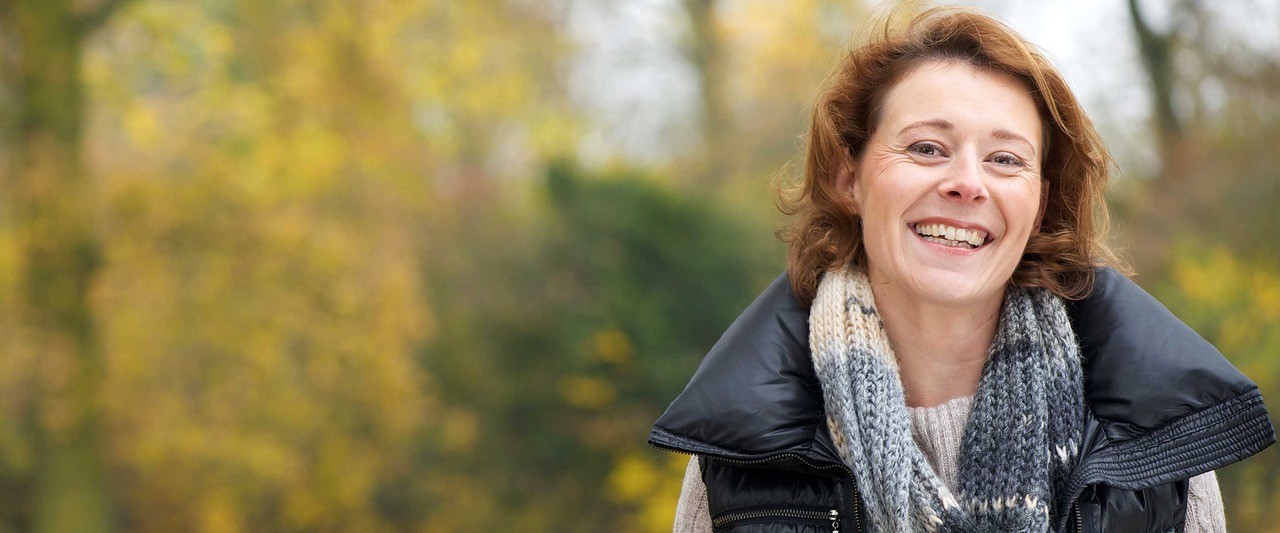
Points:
(1020, 441)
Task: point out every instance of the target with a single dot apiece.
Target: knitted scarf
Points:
(1020, 441)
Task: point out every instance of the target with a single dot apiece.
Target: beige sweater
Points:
(937, 432)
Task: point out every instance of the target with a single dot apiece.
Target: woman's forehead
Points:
(951, 95)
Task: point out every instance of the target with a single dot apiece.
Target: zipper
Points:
(784, 512)
(857, 508)
(857, 504)
(1075, 506)
(834, 514)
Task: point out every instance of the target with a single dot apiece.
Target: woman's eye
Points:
(1007, 160)
(926, 149)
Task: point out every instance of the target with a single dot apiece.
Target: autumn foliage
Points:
(321, 265)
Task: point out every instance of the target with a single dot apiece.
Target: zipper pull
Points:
(835, 521)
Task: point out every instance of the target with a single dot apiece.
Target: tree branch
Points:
(96, 16)
(1157, 57)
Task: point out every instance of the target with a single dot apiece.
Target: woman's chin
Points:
(926, 278)
(950, 288)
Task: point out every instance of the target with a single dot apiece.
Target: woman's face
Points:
(948, 186)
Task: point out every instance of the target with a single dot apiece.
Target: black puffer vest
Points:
(1163, 406)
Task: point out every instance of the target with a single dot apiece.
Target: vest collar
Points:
(755, 394)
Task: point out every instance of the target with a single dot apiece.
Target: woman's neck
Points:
(940, 349)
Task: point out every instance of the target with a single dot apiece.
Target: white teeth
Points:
(951, 236)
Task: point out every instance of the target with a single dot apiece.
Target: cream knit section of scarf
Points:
(898, 486)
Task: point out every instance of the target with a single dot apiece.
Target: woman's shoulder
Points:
(1157, 392)
(1143, 366)
(756, 380)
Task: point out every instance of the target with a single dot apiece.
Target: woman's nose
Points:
(964, 183)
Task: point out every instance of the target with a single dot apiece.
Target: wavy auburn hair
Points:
(825, 234)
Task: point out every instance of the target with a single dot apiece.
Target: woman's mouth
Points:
(938, 233)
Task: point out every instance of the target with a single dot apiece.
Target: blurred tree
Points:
(1202, 228)
(307, 276)
(50, 219)
(261, 189)
(1215, 103)
(486, 85)
(778, 55)
(489, 95)
(658, 275)
(705, 51)
(1235, 303)
(1157, 48)
(759, 66)
(558, 371)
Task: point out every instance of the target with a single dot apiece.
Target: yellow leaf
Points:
(612, 346)
(586, 392)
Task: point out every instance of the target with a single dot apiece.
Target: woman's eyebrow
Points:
(939, 123)
(947, 125)
(1001, 133)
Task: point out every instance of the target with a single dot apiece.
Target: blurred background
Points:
(437, 265)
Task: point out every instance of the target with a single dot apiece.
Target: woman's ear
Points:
(845, 184)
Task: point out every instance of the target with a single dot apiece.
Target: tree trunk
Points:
(1164, 193)
(1157, 50)
(705, 52)
(51, 208)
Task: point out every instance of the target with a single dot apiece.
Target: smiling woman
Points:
(956, 153)
(918, 367)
